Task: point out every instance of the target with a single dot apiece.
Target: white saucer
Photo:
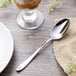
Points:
(24, 25)
(6, 46)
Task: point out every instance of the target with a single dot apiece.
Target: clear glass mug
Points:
(29, 17)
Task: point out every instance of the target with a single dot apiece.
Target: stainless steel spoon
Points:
(57, 33)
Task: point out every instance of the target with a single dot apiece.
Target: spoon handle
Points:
(29, 59)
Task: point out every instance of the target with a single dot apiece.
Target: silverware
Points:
(57, 33)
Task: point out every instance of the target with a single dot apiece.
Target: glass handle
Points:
(29, 16)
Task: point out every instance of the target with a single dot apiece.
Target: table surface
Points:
(27, 41)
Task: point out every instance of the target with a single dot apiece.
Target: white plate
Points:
(6, 46)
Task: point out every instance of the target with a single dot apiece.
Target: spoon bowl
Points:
(60, 29)
(58, 32)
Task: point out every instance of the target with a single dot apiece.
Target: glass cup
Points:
(29, 17)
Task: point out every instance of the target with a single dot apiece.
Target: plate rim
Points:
(3, 25)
